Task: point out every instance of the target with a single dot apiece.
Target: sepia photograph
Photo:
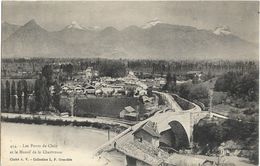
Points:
(129, 83)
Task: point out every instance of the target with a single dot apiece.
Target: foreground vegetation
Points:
(235, 96)
(210, 134)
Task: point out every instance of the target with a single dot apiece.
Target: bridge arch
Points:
(176, 137)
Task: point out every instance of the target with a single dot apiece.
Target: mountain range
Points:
(154, 40)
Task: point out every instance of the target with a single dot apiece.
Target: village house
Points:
(79, 90)
(129, 113)
(135, 153)
(90, 89)
(148, 132)
(107, 91)
(119, 90)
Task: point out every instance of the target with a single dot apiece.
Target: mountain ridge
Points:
(8, 29)
(166, 41)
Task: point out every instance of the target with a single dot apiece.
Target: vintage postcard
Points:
(129, 83)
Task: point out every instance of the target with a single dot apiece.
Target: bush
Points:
(97, 125)
(184, 90)
(219, 98)
(198, 92)
(209, 134)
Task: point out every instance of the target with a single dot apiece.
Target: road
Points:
(169, 101)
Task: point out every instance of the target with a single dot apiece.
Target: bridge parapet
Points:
(169, 101)
(186, 104)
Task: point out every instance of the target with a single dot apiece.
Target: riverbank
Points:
(69, 145)
(64, 121)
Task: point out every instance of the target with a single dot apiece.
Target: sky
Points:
(240, 17)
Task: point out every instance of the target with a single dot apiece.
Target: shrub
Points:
(219, 97)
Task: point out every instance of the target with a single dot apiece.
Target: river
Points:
(60, 145)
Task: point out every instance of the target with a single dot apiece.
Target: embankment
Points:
(40, 120)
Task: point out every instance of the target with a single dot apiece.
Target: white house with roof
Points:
(129, 113)
(90, 89)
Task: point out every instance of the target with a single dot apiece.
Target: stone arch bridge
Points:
(170, 122)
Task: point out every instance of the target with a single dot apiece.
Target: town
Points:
(165, 108)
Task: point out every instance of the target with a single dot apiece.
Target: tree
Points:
(47, 72)
(209, 134)
(170, 82)
(25, 97)
(195, 79)
(19, 95)
(150, 92)
(184, 90)
(198, 92)
(112, 69)
(37, 93)
(2, 96)
(7, 94)
(45, 98)
(226, 82)
(68, 69)
(42, 94)
(13, 97)
(56, 96)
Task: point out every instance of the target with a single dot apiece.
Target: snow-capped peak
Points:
(151, 23)
(93, 28)
(222, 30)
(75, 25)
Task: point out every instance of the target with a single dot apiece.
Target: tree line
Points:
(161, 67)
(44, 96)
(13, 95)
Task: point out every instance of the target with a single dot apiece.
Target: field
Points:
(109, 107)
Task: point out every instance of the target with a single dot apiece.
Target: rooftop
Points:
(129, 109)
(150, 127)
(143, 151)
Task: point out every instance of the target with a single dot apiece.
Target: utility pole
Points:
(108, 133)
(72, 103)
(210, 102)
